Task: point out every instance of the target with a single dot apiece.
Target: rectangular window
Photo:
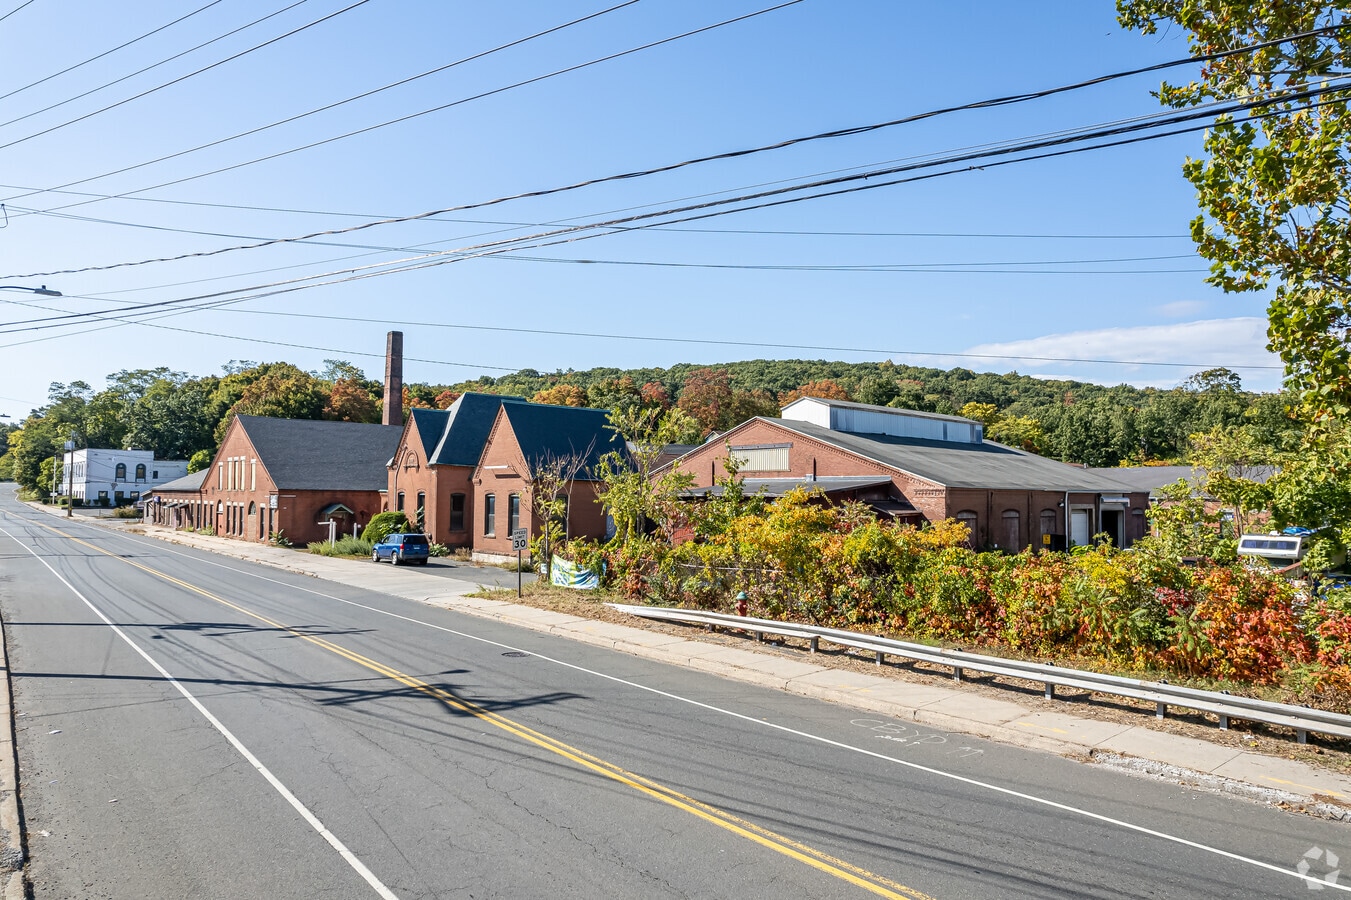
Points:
(762, 458)
(457, 512)
(253, 474)
(220, 476)
(490, 515)
(398, 503)
(421, 511)
(513, 512)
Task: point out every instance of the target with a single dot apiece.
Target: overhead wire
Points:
(188, 75)
(835, 133)
(868, 267)
(987, 158)
(440, 108)
(109, 52)
(16, 9)
(361, 96)
(628, 337)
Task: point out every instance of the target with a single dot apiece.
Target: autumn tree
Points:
(445, 399)
(561, 395)
(706, 396)
(349, 401)
(825, 389)
(1275, 185)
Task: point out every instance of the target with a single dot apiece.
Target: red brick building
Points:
(925, 467)
(290, 476)
(431, 473)
(524, 437)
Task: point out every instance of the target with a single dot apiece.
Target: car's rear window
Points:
(415, 539)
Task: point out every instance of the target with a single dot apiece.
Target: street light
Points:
(43, 291)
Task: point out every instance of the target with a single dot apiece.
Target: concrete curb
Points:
(944, 708)
(12, 856)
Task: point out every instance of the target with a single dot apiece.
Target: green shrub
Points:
(383, 524)
(343, 546)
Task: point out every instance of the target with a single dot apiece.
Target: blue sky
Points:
(1082, 257)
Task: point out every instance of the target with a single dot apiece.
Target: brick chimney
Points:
(393, 379)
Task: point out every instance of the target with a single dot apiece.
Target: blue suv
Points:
(402, 548)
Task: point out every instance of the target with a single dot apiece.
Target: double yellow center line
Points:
(809, 856)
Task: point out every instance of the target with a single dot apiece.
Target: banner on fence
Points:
(569, 574)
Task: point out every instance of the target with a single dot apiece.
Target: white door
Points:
(1079, 527)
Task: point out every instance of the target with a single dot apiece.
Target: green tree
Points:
(630, 493)
(1235, 464)
(174, 420)
(199, 461)
(1275, 186)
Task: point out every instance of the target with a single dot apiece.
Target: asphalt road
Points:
(194, 726)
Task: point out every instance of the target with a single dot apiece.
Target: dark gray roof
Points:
(431, 424)
(1151, 478)
(190, 483)
(309, 455)
(1148, 478)
(545, 431)
(464, 429)
(987, 465)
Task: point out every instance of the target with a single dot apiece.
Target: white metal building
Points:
(117, 476)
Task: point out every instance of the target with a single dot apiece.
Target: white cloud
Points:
(1180, 309)
(1185, 348)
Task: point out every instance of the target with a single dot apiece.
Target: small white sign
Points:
(272, 501)
(520, 539)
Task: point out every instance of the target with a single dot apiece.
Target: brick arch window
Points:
(253, 507)
(490, 515)
(457, 512)
(513, 512)
(421, 511)
(1010, 535)
(1048, 522)
(968, 518)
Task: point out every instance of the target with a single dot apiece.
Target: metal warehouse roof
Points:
(986, 465)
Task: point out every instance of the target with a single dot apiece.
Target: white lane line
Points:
(1311, 881)
(290, 798)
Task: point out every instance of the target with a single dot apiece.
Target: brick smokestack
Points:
(394, 379)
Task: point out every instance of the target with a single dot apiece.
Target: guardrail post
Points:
(1301, 736)
(880, 657)
(815, 642)
(956, 673)
(1050, 691)
(1159, 711)
(1224, 723)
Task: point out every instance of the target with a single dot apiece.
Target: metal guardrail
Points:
(1301, 719)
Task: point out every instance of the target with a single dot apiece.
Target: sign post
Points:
(520, 540)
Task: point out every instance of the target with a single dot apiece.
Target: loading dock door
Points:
(1080, 527)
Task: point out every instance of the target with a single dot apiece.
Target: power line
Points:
(16, 9)
(99, 56)
(698, 212)
(445, 106)
(867, 267)
(855, 130)
(643, 338)
(987, 158)
(354, 98)
(352, 215)
(191, 74)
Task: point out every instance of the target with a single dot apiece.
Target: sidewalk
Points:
(1131, 747)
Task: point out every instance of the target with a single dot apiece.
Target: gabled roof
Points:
(464, 429)
(190, 483)
(777, 487)
(545, 431)
(430, 424)
(309, 455)
(986, 465)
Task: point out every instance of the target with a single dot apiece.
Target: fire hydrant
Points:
(741, 603)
